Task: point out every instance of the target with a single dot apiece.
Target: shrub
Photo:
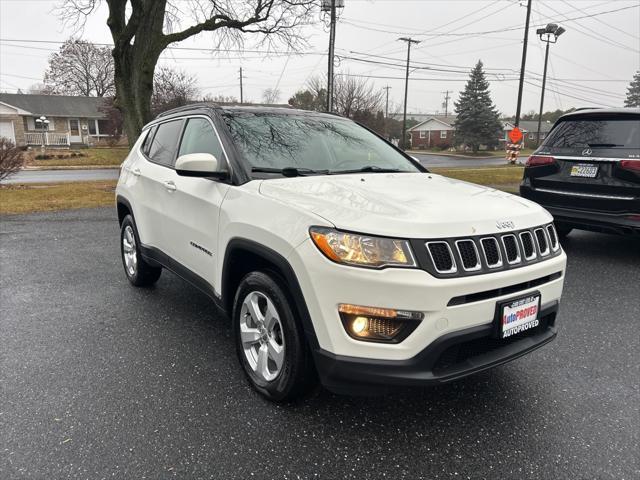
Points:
(11, 160)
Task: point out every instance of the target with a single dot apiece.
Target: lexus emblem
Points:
(586, 152)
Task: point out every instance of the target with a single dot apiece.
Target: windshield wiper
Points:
(290, 171)
(368, 169)
(604, 145)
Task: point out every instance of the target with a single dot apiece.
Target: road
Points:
(55, 176)
(448, 161)
(77, 175)
(102, 380)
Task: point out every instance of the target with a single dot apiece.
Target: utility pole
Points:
(332, 46)
(409, 41)
(386, 110)
(241, 99)
(524, 62)
(446, 102)
(386, 113)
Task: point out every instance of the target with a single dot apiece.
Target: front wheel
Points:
(138, 271)
(270, 343)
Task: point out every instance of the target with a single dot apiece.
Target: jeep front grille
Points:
(528, 247)
(553, 237)
(512, 248)
(491, 251)
(541, 239)
(469, 255)
(442, 257)
(456, 257)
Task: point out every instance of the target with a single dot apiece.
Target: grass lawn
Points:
(482, 154)
(503, 177)
(37, 197)
(94, 156)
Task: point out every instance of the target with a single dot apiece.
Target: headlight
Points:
(362, 250)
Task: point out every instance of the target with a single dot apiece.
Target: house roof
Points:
(447, 120)
(530, 126)
(55, 105)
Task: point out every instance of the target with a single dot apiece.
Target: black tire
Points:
(563, 230)
(296, 377)
(143, 274)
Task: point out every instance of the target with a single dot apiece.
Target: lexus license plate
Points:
(519, 315)
(589, 171)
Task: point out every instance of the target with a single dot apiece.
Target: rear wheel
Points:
(138, 271)
(563, 229)
(269, 341)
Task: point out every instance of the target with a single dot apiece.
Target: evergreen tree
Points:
(477, 121)
(633, 92)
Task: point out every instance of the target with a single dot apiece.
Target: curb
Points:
(71, 167)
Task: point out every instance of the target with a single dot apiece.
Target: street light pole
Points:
(409, 41)
(550, 35)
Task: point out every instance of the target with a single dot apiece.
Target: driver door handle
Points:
(136, 172)
(170, 186)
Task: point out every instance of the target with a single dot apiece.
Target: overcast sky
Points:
(591, 65)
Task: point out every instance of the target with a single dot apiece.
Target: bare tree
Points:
(354, 95)
(172, 88)
(143, 29)
(271, 95)
(11, 159)
(220, 99)
(81, 68)
(39, 89)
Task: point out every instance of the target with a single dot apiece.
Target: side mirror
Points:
(202, 165)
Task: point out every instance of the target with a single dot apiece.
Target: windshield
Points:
(311, 144)
(596, 133)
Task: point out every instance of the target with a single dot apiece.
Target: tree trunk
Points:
(138, 46)
(133, 74)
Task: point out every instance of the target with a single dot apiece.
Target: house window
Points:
(103, 127)
(423, 134)
(92, 127)
(443, 134)
(31, 125)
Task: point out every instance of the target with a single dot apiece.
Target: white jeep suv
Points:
(336, 256)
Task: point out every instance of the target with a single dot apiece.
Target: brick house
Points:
(437, 131)
(70, 120)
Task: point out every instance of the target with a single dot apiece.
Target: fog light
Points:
(376, 324)
(359, 325)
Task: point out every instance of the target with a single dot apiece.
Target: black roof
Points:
(602, 111)
(237, 108)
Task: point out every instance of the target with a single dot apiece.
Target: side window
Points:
(199, 137)
(165, 142)
(147, 141)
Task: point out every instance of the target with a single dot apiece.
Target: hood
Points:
(409, 205)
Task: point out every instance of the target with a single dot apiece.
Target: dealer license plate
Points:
(589, 171)
(517, 316)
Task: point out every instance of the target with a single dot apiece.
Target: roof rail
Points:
(190, 106)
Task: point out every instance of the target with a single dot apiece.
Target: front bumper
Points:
(450, 305)
(450, 357)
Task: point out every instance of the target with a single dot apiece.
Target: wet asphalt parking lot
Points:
(102, 380)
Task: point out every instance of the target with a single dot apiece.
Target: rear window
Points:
(596, 133)
(165, 143)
